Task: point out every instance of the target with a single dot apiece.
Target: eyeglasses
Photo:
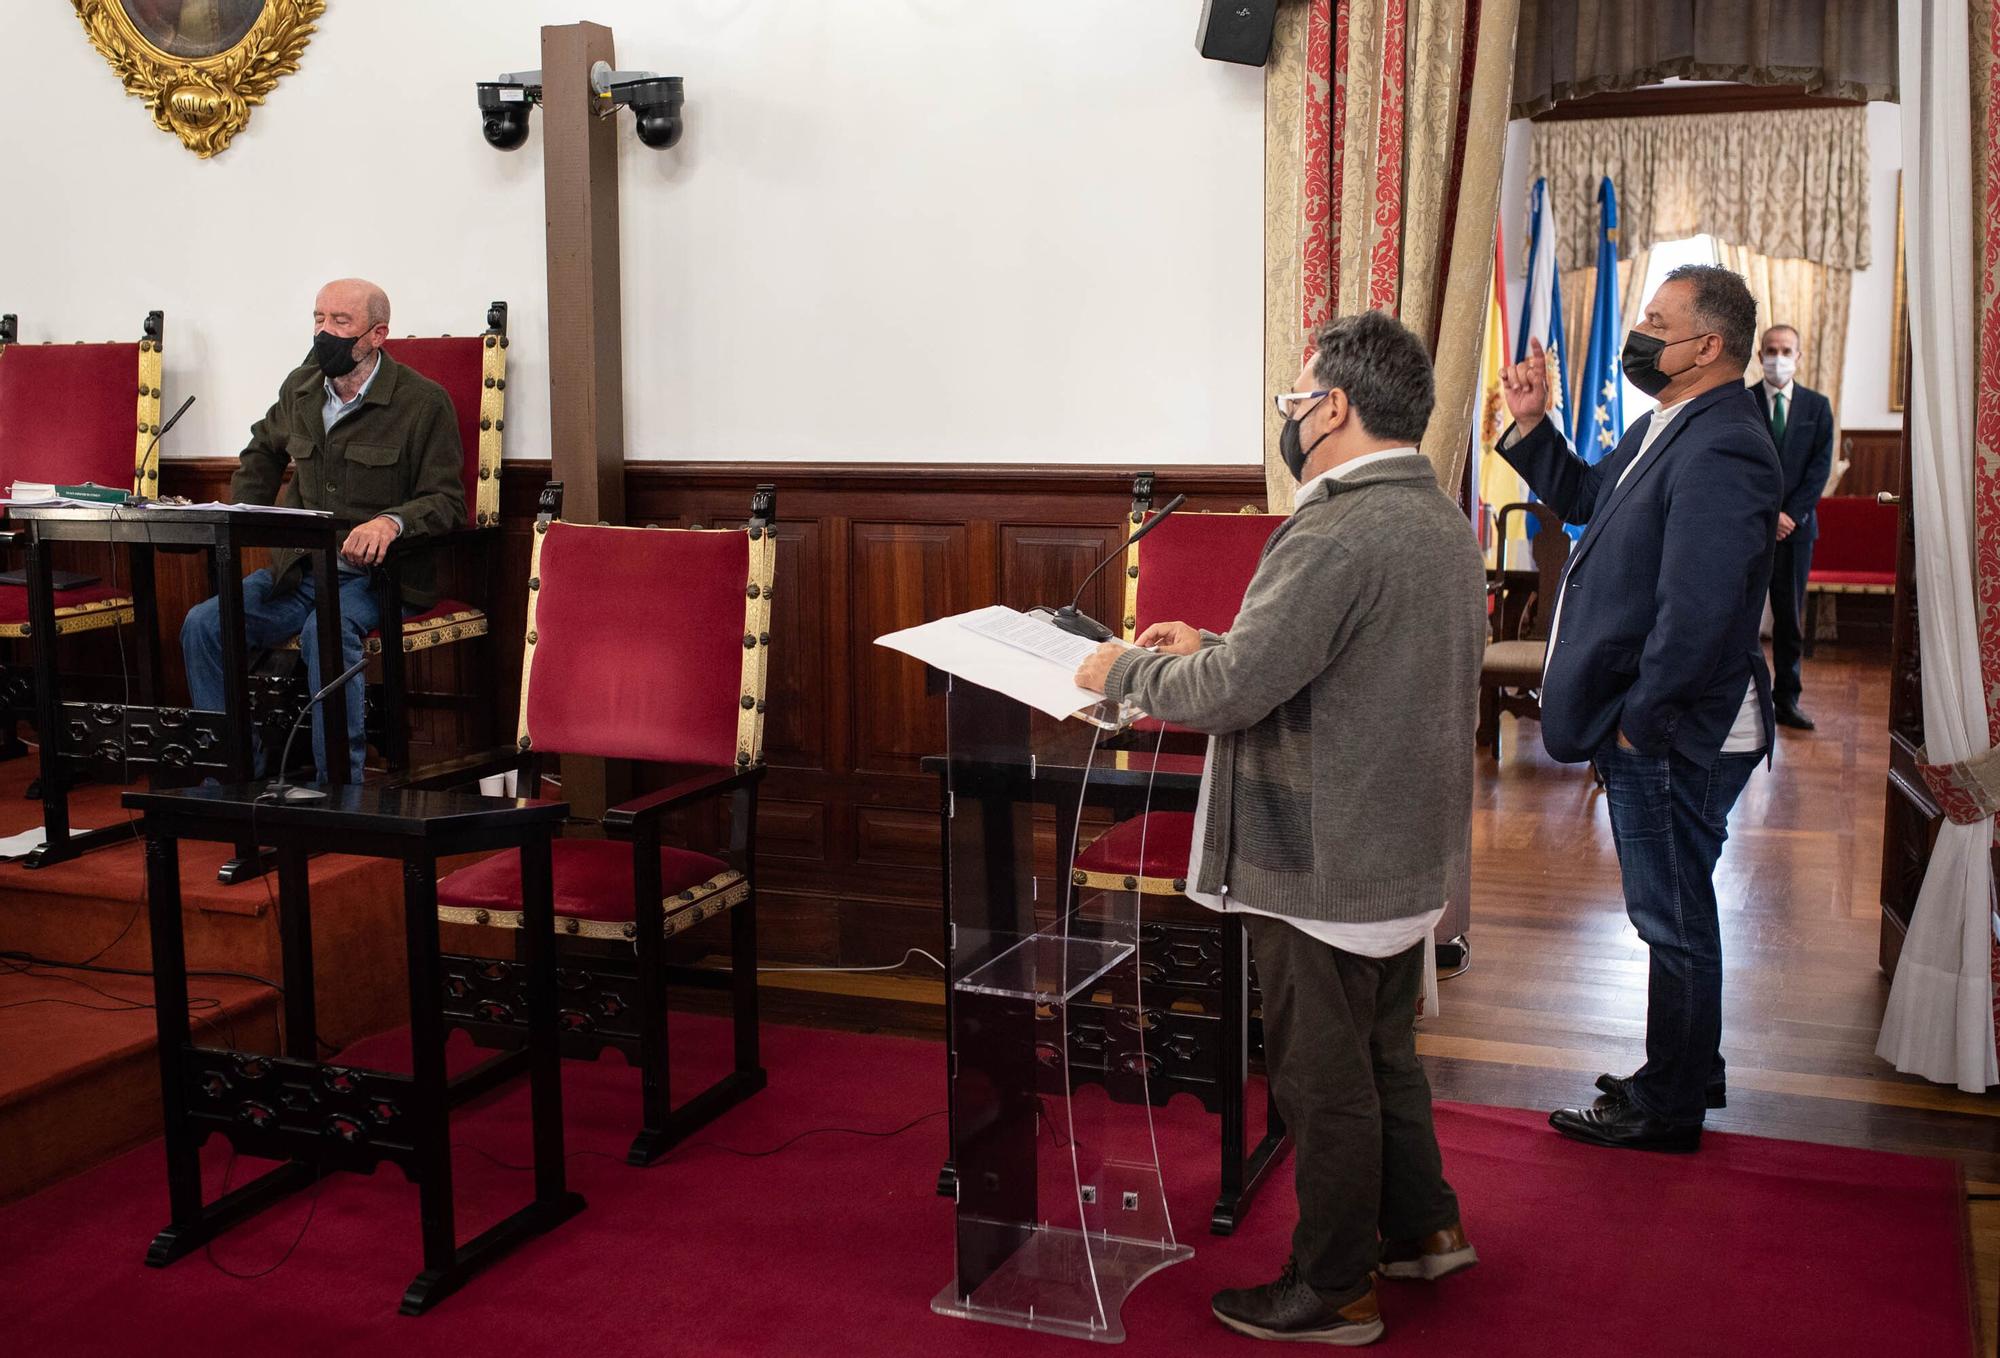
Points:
(1284, 401)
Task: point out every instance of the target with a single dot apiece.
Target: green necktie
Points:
(1778, 419)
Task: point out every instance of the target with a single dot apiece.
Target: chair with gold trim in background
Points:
(649, 645)
(473, 371)
(1523, 610)
(70, 414)
(1193, 568)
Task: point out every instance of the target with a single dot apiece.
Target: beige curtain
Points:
(1572, 48)
(1579, 292)
(1811, 298)
(1793, 183)
(1384, 121)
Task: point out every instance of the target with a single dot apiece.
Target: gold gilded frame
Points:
(1899, 322)
(205, 101)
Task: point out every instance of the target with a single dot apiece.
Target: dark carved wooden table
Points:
(139, 733)
(318, 1116)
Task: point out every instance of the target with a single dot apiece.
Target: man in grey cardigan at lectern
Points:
(1335, 813)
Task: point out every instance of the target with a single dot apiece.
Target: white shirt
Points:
(1384, 939)
(1746, 734)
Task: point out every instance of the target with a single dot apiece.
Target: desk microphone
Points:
(1082, 624)
(147, 456)
(278, 792)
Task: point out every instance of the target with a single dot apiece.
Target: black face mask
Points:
(1288, 446)
(335, 353)
(1641, 361)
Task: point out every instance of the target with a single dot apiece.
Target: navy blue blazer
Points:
(1805, 457)
(1662, 598)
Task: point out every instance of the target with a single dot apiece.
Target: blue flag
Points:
(1601, 400)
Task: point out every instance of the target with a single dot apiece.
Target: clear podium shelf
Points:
(1046, 968)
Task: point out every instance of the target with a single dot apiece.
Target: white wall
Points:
(1864, 401)
(896, 229)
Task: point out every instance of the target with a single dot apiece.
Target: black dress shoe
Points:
(1290, 1309)
(1624, 1126)
(1620, 1087)
(1788, 714)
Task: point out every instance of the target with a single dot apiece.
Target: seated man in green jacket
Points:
(1335, 813)
(372, 443)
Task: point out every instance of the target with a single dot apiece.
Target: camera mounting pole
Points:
(586, 353)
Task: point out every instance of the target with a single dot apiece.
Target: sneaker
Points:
(1290, 1309)
(1437, 1255)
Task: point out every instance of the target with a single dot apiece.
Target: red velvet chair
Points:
(1855, 553)
(69, 414)
(1194, 568)
(650, 645)
(473, 371)
(1520, 613)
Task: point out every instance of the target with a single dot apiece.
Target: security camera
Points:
(656, 104)
(503, 110)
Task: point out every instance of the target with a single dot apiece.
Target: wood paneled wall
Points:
(848, 830)
(1871, 455)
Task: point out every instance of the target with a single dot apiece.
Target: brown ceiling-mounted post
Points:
(586, 355)
(586, 351)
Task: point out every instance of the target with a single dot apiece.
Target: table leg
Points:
(430, 1089)
(48, 698)
(1243, 1169)
(170, 1000)
(332, 715)
(238, 750)
(295, 939)
(544, 1048)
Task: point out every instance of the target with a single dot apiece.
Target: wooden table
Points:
(317, 1116)
(139, 733)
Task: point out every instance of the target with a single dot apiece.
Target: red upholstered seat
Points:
(1194, 569)
(637, 644)
(1854, 579)
(68, 413)
(14, 600)
(593, 880)
(456, 364)
(1154, 845)
(1857, 543)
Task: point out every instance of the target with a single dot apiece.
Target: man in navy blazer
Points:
(1655, 669)
(1801, 422)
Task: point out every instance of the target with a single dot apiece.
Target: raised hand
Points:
(1525, 387)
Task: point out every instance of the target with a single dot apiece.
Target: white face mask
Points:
(1778, 369)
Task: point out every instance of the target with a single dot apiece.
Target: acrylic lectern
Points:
(1060, 1206)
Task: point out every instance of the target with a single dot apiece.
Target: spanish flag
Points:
(1499, 484)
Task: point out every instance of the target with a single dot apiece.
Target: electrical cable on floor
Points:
(913, 952)
(786, 1144)
(312, 1210)
(120, 1004)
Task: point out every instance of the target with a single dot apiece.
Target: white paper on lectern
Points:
(1028, 679)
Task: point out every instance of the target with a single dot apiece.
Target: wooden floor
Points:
(1557, 987)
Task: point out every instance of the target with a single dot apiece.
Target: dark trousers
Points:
(1670, 817)
(1788, 604)
(1341, 1051)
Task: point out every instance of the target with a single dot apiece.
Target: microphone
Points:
(1082, 624)
(278, 792)
(152, 447)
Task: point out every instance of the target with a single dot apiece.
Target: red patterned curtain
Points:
(1403, 121)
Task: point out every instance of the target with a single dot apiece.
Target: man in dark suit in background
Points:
(1655, 671)
(1801, 423)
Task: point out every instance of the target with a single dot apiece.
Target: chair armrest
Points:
(625, 820)
(13, 537)
(407, 544)
(459, 772)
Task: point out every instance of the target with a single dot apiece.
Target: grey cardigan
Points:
(1343, 701)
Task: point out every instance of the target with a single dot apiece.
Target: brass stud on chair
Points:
(752, 591)
(1078, 877)
(1131, 572)
(541, 526)
(534, 582)
(481, 917)
(490, 340)
(485, 424)
(489, 383)
(748, 702)
(687, 895)
(749, 642)
(1131, 621)
(742, 759)
(533, 636)
(1180, 884)
(524, 744)
(569, 926)
(1131, 883)
(763, 638)
(486, 473)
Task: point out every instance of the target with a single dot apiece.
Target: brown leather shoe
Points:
(1438, 1255)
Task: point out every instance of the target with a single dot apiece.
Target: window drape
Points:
(1572, 48)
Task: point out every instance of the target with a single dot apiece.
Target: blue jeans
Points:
(272, 617)
(1670, 817)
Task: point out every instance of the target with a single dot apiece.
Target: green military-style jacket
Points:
(397, 453)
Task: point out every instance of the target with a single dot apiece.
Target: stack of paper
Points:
(1022, 656)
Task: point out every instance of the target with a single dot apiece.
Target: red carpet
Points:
(836, 1245)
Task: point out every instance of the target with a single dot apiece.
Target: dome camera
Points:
(503, 113)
